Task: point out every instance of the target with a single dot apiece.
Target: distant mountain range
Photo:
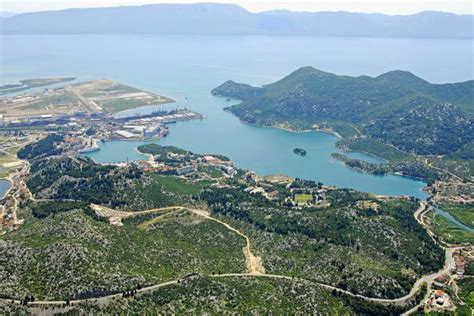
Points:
(6, 14)
(397, 108)
(223, 19)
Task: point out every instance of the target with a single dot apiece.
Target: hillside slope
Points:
(397, 108)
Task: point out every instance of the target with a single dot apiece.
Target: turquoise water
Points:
(4, 186)
(187, 68)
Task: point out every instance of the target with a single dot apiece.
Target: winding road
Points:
(254, 264)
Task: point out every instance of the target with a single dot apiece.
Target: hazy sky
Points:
(381, 6)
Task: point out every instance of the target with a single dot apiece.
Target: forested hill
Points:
(397, 107)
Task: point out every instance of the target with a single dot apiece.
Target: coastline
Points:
(286, 127)
(418, 192)
(425, 189)
(114, 114)
(294, 130)
(329, 131)
(130, 139)
(150, 157)
(365, 153)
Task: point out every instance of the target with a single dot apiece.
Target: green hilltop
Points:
(396, 108)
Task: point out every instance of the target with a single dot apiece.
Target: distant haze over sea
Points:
(228, 19)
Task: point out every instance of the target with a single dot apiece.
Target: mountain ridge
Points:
(397, 108)
(229, 19)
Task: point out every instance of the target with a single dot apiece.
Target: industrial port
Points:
(87, 110)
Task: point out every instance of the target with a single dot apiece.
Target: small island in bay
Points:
(299, 152)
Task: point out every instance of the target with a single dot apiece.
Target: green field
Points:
(179, 186)
(64, 98)
(450, 232)
(213, 172)
(121, 104)
(125, 104)
(4, 158)
(302, 198)
(462, 212)
(161, 191)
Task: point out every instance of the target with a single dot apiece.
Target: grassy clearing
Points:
(462, 212)
(62, 99)
(123, 104)
(179, 186)
(4, 158)
(450, 232)
(302, 198)
(213, 172)
(118, 105)
(162, 191)
(157, 219)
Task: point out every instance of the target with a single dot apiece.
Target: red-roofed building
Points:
(440, 281)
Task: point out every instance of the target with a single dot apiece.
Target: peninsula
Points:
(419, 129)
(394, 108)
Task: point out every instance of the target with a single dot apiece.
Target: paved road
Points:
(430, 164)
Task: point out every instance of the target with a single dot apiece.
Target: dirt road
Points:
(254, 264)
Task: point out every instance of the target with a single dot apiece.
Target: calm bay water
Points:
(4, 186)
(187, 68)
